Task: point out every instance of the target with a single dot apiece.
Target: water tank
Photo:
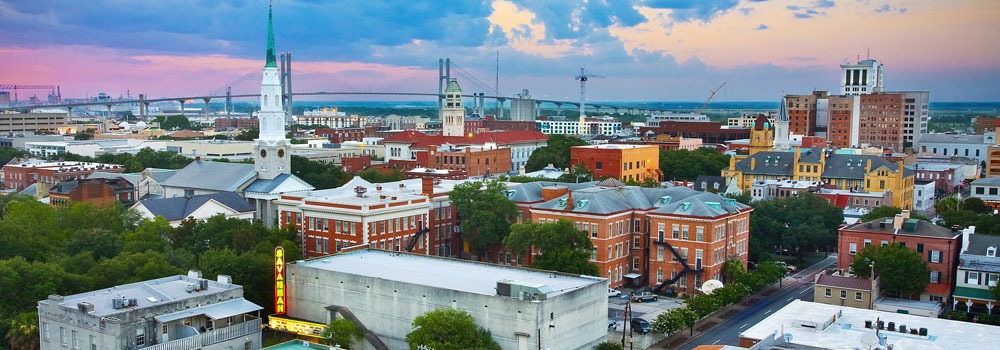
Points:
(125, 126)
(140, 125)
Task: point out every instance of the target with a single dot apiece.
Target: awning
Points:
(974, 293)
(214, 311)
(632, 276)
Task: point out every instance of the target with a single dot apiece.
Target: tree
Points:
(174, 122)
(888, 212)
(23, 332)
(976, 205)
(318, 174)
(556, 152)
(562, 247)
(247, 135)
(608, 346)
(682, 164)
(705, 304)
(8, 153)
(732, 269)
(485, 213)
(674, 320)
(803, 222)
(343, 333)
(449, 329)
(742, 197)
(578, 173)
(901, 270)
(946, 204)
(373, 175)
(83, 135)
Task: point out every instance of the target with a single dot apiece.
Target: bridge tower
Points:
(271, 148)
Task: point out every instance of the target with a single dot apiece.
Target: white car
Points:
(614, 293)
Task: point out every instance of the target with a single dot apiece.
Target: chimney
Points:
(427, 186)
(798, 153)
(897, 222)
(954, 228)
(905, 214)
(965, 237)
(868, 166)
(732, 162)
(753, 163)
(569, 200)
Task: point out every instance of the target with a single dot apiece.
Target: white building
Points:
(592, 126)
(865, 77)
(969, 146)
(384, 291)
(916, 111)
(200, 207)
(176, 312)
(453, 113)
(978, 271)
(987, 189)
(329, 117)
(523, 108)
(923, 196)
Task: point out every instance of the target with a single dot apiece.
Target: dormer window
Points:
(714, 205)
(562, 203)
(582, 203)
(664, 199)
(685, 206)
(991, 252)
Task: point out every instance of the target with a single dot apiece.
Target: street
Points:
(798, 286)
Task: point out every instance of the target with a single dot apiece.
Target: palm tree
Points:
(23, 332)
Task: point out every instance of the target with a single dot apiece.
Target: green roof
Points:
(271, 62)
(973, 293)
(453, 86)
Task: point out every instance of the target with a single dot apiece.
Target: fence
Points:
(210, 337)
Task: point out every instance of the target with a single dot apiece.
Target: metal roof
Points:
(215, 176)
(178, 208)
(214, 311)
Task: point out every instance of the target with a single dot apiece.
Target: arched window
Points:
(265, 100)
(276, 100)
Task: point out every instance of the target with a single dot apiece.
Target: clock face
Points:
(263, 153)
(281, 153)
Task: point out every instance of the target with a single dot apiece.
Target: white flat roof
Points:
(847, 330)
(460, 275)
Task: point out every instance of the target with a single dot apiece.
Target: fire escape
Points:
(684, 264)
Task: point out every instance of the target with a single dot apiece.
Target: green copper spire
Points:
(271, 62)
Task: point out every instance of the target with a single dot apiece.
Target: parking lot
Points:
(647, 310)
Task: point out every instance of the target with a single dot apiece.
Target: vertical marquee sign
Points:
(279, 280)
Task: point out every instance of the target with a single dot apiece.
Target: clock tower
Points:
(271, 148)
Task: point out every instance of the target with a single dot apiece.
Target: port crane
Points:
(583, 77)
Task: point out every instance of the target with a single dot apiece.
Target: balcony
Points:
(210, 337)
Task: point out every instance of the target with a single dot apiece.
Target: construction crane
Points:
(703, 105)
(583, 77)
(54, 90)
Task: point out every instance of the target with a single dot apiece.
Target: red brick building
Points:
(623, 223)
(95, 191)
(938, 246)
(623, 162)
(410, 215)
(882, 121)
(475, 161)
(490, 123)
(802, 113)
(18, 173)
(236, 123)
(354, 165)
(341, 135)
(946, 177)
(708, 132)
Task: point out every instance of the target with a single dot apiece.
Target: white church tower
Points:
(271, 148)
(781, 143)
(453, 113)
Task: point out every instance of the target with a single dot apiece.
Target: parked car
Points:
(642, 297)
(612, 324)
(614, 293)
(789, 267)
(641, 326)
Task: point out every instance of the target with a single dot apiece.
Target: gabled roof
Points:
(838, 166)
(676, 200)
(530, 192)
(704, 182)
(913, 227)
(215, 176)
(844, 282)
(133, 179)
(266, 186)
(420, 140)
(978, 243)
(178, 208)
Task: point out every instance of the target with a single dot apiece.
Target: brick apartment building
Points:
(408, 145)
(628, 227)
(341, 135)
(881, 119)
(19, 173)
(623, 162)
(708, 132)
(667, 142)
(986, 124)
(802, 113)
(842, 126)
(475, 161)
(101, 191)
(491, 123)
(946, 177)
(937, 245)
(410, 215)
(236, 123)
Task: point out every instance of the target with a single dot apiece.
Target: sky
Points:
(649, 50)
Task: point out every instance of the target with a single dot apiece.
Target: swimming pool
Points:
(298, 344)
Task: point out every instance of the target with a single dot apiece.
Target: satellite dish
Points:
(710, 286)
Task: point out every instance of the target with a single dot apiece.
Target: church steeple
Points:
(271, 61)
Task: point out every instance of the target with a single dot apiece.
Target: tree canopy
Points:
(888, 212)
(486, 213)
(173, 122)
(449, 329)
(682, 164)
(319, 174)
(802, 222)
(556, 152)
(81, 247)
(373, 175)
(562, 247)
(343, 333)
(969, 212)
(901, 269)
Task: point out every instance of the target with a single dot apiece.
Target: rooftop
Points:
(957, 139)
(913, 227)
(825, 326)
(209, 175)
(987, 181)
(147, 293)
(934, 166)
(844, 282)
(178, 208)
(614, 146)
(438, 272)
(404, 190)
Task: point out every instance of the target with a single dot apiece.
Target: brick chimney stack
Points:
(427, 186)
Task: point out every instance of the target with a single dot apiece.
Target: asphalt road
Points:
(728, 333)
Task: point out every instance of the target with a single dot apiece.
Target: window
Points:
(593, 230)
(935, 277)
(853, 249)
(599, 166)
(920, 247)
(992, 280)
(868, 243)
(659, 253)
(659, 231)
(684, 232)
(676, 231)
(885, 243)
(45, 331)
(635, 242)
(935, 256)
(991, 252)
(843, 294)
(76, 342)
(700, 233)
(972, 278)
(635, 263)
(93, 343)
(140, 336)
(62, 337)
(858, 296)
(979, 190)
(659, 275)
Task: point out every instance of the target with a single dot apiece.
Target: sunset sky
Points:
(656, 50)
